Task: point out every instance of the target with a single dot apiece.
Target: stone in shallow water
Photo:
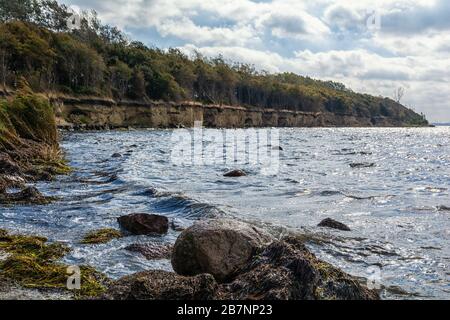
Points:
(235, 174)
(362, 165)
(144, 224)
(29, 195)
(333, 224)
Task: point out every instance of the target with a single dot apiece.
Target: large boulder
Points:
(217, 247)
(162, 285)
(144, 224)
(286, 270)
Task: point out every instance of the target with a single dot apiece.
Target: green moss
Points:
(101, 236)
(33, 263)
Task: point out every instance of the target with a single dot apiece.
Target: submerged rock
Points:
(116, 155)
(333, 224)
(443, 208)
(286, 270)
(162, 285)
(362, 165)
(218, 247)
(152, 251)
(101, 236)
(235, 174)
(29, 195)
(144, 224)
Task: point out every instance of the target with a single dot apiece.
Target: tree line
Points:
(99, 60)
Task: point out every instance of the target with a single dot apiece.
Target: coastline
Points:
(88, 113)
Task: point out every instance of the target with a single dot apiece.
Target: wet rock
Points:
(235, 174)
(152, 251)
(144, 224)
(116, 155)
(286, 270)
(362, 165)
(101, 236)
(217, 247)
(29, 195)
(162, 285)
(443, 208)
(333, 224)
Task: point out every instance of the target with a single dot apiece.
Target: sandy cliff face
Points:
(99, 114)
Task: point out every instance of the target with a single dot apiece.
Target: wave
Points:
(180, 205)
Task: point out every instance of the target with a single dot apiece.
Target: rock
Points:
(218, 247)
(152, 251)
(362, 165)
(144, 224)
(29, 195)
(116, 155)
(162, 285)
(443, 208)
(330, 223)
(286, 270)
(235, 174)
(101, 236)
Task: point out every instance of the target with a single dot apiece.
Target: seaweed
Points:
(101, 236)
(33, 263)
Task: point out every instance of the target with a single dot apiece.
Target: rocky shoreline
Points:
(231, 260)
(213, 259)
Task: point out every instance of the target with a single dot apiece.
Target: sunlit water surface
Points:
(397, 209)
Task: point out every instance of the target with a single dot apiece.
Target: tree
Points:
(120, 77)
(398, 94)
(22, 10)
(137, 85)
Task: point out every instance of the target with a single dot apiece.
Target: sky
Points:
(373, 47)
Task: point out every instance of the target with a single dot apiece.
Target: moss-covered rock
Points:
(33, 263)
(101, 236)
